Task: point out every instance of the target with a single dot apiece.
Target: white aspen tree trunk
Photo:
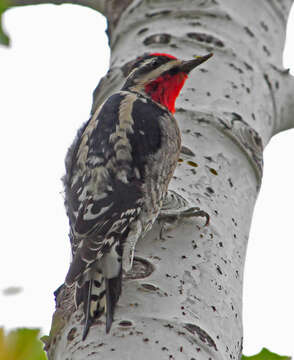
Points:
(184, 298)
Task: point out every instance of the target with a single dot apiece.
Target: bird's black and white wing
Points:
(106, 187)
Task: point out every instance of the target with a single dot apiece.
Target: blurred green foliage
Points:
(21, 344)
(4, 39)
(266, 355)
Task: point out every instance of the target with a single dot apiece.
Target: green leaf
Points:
(4, 39)
(21, 344)
(266, 355)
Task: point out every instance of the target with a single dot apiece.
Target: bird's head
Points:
(161, 77)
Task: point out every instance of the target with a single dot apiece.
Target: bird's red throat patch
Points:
(165, 89)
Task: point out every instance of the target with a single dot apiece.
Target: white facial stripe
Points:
(158, 71)
(147, 61)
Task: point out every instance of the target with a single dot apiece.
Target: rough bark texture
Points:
(185, 300)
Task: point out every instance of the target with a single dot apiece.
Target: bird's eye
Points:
(155, 62)
(174, 71)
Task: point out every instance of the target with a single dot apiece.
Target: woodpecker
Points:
(117, 174)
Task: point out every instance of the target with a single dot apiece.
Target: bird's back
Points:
(117, 173)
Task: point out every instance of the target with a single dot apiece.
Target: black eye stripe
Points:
(157, 61)
(173, 71)
(147, 64)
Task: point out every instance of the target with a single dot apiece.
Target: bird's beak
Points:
(188, 65)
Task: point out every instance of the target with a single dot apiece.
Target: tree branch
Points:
(281, 86)
(98, 5)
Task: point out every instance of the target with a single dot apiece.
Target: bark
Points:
(183, 300)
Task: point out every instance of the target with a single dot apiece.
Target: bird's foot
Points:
(174, 208)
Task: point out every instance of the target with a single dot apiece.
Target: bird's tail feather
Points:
(113, 291)
(99, 295)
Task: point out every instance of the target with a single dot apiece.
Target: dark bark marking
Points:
(142, 31)
(157, 39)
(71, 334)
(248, 67)
(203, 336)
(240, 71)
(125, 323)
(158, 13)
(248, 31)
(209, 39)
(266, 50)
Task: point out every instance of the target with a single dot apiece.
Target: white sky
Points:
(57, 55)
